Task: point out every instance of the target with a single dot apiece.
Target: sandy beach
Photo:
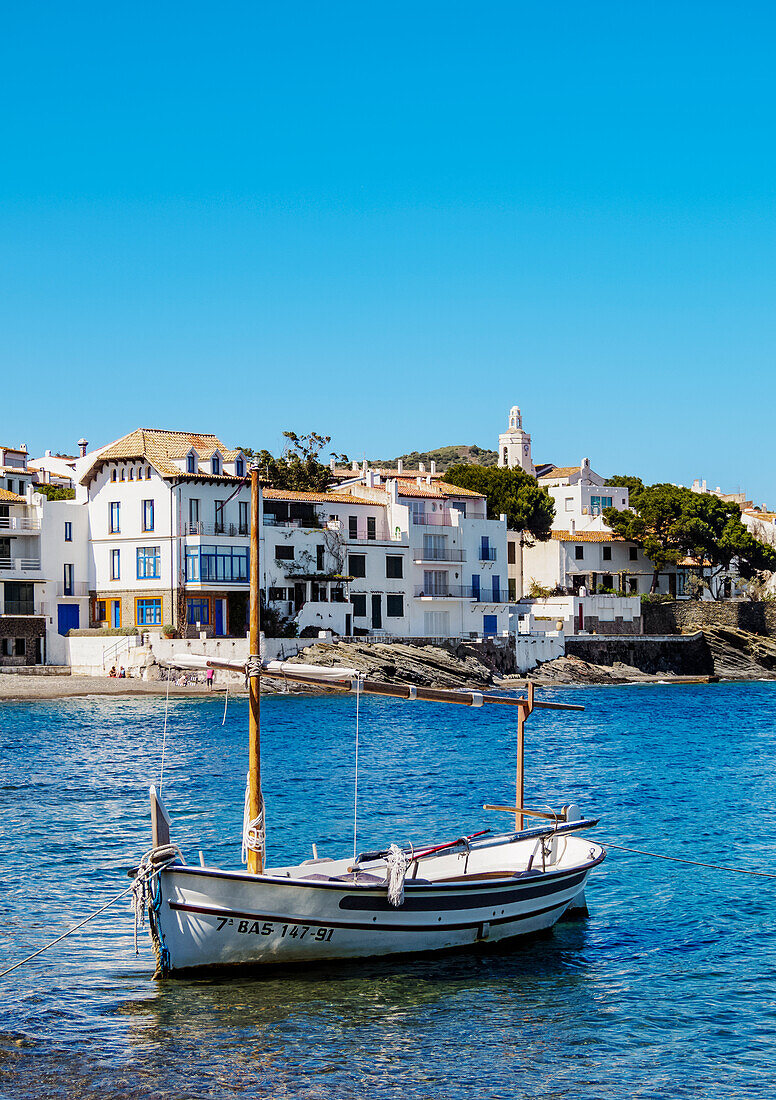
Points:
(14, 686)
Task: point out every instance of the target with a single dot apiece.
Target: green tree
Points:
(634, 485)
(528, 508)
(671, 522)
(298, 468)
(55, 492)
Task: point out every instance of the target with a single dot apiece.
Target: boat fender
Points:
(412, 693)
(476, 698)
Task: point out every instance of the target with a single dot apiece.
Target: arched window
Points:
(216, 464)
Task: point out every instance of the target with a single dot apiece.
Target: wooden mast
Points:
(522, 714)
(255, 859)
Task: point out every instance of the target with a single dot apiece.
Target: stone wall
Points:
(594, 625)
(688, 616)
(32, 632)
(685, 655)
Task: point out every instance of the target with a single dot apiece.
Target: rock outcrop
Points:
(397, 662)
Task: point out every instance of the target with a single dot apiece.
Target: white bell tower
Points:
(514, 445)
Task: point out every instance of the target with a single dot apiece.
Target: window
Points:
(607, 554)
(357, 565)
(192, 563)
(244, 519)
(113, 474)
(148, 473)
(225, 564)
(219, 517)
(371, 527)
(68, 532)
(67, 588)
(352, 527)
(597, 504)
(358, 599)
(148, 515)
(131, 473)
(191, 466)
(633, 553)
(216, 465)
(100, 613)
(569, 504)
(148, 563)
(148, 612)
(193, 514)
(122, 474)
(579, 553)
(633, 586)
(394, 606)
(277, 594)
(115, 565)
(198, 611)
(510, 553)
(114, 524)
(239, 467)
(319, 552)
(512, 587)
(606, 580)
(394, 566)
(284, 553)
(497, 589)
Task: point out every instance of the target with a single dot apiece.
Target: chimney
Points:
(82, 445)
(433, 466)
(400, 465)
(23, 447)
(48, 454)
(572, 526)
(332, 464)
(354, 465)
(422, 467)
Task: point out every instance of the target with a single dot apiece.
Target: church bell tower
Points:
(514, 445)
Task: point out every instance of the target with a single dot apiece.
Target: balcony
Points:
(229, 530)
(21, 565)
(19, 523)
(24, 607)
(77, 588)
(444, 592)
(445, 518)
(437, 553)
(490, 595)
(487, 553)
(359, 532)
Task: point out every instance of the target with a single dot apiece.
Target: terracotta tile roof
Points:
(11, 498)
(586, 536)
(694, 562)
(320, 498)
(159, 447)
(559, 471)
(440, 491)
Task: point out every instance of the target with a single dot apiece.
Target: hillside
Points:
(443, 456)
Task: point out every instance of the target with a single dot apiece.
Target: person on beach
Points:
(122, 673)
(112, 672)
(209, 679)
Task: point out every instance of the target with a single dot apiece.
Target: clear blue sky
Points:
(389, 223)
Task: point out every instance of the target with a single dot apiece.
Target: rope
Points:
(397, 863)
(253, 836)
(226, 703)
(130, 889)
(164, 733)
(355, 786)
(691, 862)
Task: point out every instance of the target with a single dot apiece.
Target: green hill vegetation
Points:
(444, 458)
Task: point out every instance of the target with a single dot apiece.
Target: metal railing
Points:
(444, 592)
(438, 553)
(490, 595)
(21, 565)
(77, 588)
(487, 553)
(230, 530)
(359, 532)
(444, 518)
(19, 523)
(22, 607)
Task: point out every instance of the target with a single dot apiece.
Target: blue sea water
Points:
(668, 989)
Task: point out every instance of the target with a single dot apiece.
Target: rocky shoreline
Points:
(726, 653)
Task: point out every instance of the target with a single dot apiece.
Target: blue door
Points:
(67, 617)
(489, 625)
(476, 587)
(219, 618)
(496, 589)
(115, 614)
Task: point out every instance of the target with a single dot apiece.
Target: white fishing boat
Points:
(437, 896)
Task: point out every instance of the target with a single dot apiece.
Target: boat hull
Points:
(207, 918)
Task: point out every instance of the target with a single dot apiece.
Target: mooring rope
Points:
(355, 785)
(164, 731)
(691, 862)
(130, 889)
